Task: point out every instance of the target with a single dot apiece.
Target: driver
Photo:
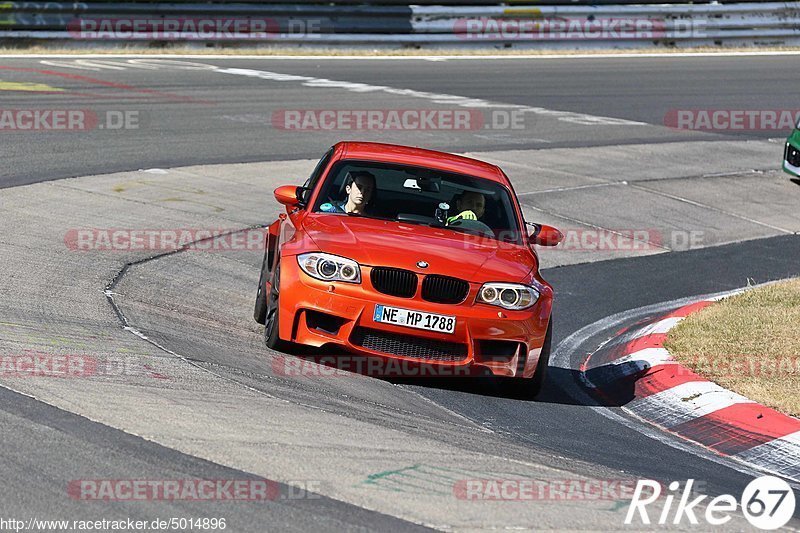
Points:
(359, 186)
(469, 206)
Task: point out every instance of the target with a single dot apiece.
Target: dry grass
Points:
(749, 343)
(363, 51)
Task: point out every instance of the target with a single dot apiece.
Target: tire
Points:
(260, 311)
(272, 315)
(529, 388)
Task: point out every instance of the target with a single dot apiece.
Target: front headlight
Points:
(513, 296)
(327, 267)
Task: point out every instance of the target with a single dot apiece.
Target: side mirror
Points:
(287, 195)
(545, 235)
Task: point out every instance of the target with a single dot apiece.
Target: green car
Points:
(791, 154)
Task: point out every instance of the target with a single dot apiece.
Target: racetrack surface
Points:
(203, 397)
(204, 117)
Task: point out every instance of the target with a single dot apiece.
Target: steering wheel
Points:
(475, 226)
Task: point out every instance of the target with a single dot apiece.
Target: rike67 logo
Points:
(767, 503)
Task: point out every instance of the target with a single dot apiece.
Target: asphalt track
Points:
(203, 320)
(191, 117)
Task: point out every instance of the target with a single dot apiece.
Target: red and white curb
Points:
(634, 371)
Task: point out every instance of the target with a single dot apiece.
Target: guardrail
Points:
(582, 24)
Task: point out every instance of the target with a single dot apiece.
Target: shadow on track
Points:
(554, 391)
(405, 373)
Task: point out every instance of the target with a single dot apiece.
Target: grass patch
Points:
(749, 343)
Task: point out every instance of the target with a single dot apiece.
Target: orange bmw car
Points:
(409, 254)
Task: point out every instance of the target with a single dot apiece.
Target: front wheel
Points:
(529, 388)
(271, 330)
(260, 311)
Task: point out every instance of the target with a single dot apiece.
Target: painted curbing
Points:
(634, 371)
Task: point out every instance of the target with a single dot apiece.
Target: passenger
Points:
(469, 206)
(360, 188)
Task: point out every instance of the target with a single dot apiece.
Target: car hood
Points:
(376, 242)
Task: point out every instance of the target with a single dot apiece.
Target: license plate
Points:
(414, 319)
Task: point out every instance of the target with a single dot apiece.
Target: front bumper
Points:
(486, 338)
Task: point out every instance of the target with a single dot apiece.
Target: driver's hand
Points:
(464, 215)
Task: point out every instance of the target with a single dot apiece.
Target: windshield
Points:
(419, 195)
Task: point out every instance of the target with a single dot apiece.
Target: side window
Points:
(312, 181)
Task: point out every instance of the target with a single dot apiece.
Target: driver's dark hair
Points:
(353, 174)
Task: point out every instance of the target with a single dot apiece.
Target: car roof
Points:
(409, 155)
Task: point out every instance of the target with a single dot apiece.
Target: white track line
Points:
(583, 119)
(642, 360)
(734, 293)
(662, 326)
(437, 98)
